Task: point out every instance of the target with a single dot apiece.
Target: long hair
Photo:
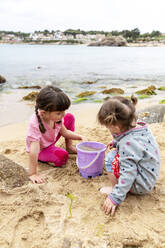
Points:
(117, 110)
(51, 99)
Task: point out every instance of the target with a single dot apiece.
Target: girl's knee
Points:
(69, 117)
(69, 121)
(61, 157)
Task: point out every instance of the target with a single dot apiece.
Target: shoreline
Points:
(85, 115)
(20, 111)
(13, 109)
(133, 44)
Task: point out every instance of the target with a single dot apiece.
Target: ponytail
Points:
(111, 118)
(134, 100)
(41, 126)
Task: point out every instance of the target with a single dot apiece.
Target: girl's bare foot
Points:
(106, 190)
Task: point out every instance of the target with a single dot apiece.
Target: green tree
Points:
(135, 33)
(126, 34)
(115, 33)
(155, 33)
(145, 35)
(46, 32)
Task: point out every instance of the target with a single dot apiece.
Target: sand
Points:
(37, 216)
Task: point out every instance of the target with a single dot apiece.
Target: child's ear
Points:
(42, 112)
(117, 129)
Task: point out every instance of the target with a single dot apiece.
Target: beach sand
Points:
(37, 216)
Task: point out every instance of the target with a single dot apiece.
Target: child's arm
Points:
(130, 153)
(111, 145)
(33, 163)
(69, 134)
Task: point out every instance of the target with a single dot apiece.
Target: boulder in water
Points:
(2, 80)
(30, 87)
(31, 96)
(110, 41)
(86, 93)
(148, 91)
(152, 114)
(113, 91)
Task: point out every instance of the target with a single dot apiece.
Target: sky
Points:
(106, 15)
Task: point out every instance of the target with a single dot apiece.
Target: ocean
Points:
(70, 67)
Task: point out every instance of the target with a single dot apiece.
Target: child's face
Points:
(55, 116)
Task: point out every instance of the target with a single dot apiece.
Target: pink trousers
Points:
(56, 155)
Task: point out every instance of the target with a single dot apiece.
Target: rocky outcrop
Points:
(31, 96)
(113, 91)
(148, 91)
(110, 41)
(2, 80)
(152, 114)
(30, 87)
(86, 93)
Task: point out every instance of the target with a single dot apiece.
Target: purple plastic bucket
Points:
(90, 163)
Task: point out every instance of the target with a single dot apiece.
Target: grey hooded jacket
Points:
(139, 160)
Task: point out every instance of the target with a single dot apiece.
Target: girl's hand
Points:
(83, 138)
(36, 178)
(110, 146)
(109, 207)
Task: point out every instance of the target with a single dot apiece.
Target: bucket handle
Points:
(87, 166)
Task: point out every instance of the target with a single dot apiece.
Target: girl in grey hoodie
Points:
(133, 164)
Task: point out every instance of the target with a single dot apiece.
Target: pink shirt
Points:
(45, 139)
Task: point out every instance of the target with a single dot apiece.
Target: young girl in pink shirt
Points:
(46, 126)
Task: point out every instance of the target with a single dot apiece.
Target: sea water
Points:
(70, 67)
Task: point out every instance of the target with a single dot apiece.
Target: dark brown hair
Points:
(51, 99)
(118, 109)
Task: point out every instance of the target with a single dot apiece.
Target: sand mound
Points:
(11, 174)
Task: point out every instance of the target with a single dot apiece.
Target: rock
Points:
(31, 96)
(152, 114)
(110, 41)
(38, 67)
(7, 151)
(11, 174)
(113, 91)
(30, 87)
(86, 93)
(147, 91)
(88, 82)
(144, 114)
(2, 80)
